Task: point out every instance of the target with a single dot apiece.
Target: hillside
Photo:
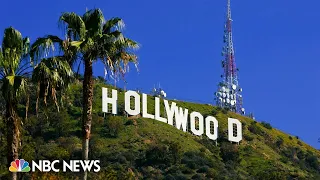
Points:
(139, 148)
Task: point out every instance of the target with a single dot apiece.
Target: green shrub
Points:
(71, 144)
(229, 152)
(202, 149)
(169, 177)
(279, 141)
(248, 149)
(284, 160)
(266, 125)
(222, 135)
(198, 177)
(129, 122)
(214, 112)
(113, 125)
(52, 151)
(301, 155)
(225, 110)
(254, 128)
(211, 174)
(121, 109)
(248, 137)
(290, 152)
(180, 177)
(195, 160)
(244, 124)
(166, 154)
(272, 174)
(203, 169)
(157, 154)
(186, 170)
(312, 161)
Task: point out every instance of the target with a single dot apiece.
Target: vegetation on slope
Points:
(141, 148)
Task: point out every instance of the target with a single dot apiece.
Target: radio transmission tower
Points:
(229, 92)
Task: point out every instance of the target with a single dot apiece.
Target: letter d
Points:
(233, 138)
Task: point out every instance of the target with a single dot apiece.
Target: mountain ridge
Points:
(139, 148)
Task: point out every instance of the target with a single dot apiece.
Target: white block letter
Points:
(127, 97)
(38, 166)
(193, 116)
(210, 119)
(106, 100)
(52, 166)
(170, 111)
(233, 138)
(86, 165)
(66, 165)
(157, 111)
(96, 164)
(76, 165)
(181, 118)
(46, 165)
(145, 107)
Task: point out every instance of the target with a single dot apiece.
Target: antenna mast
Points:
(229, 92)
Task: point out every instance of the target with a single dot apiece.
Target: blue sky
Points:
(276, 46)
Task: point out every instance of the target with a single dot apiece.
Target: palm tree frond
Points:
(113, 24)
(43, 46)
(51, 74)
(131, 44)
(75, 27)
(94, 20)
(76, 43)
(12, 39)
(26, 47)
(13, 87)
(12, 50)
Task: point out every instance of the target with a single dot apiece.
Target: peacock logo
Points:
(19, 166)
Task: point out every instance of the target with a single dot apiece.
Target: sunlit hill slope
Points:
(138, 148)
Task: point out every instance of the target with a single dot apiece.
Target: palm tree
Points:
(97, 40)
(52, 73)
(90, 38)
(14, 75)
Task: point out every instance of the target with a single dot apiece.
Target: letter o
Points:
(136, 109)
(193, 116)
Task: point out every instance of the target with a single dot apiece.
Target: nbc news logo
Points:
(47, 166)
(19, 166)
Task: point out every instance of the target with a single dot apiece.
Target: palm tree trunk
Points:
(87, 110)
(13, 136)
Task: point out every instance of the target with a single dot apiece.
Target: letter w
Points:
(181, 118)
(86, 165)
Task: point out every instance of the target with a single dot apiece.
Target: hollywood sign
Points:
(175, 116)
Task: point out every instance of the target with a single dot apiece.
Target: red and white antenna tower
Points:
(229, 92)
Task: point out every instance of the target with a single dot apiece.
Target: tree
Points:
(52, 73)
(14, 77)
(97, 39)
(90, 38)
(114, 125)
